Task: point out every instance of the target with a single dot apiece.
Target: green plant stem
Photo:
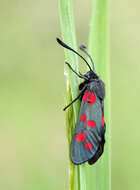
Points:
(68, 34)
(99, 49)
(98, 175)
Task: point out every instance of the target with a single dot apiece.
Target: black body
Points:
(89, 136)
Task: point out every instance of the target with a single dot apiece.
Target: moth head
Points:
(91, 75)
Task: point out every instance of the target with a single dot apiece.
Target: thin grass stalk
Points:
(76, 179)
(99, 176)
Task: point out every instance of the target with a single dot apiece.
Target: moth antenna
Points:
(67, 47)
(83, 48)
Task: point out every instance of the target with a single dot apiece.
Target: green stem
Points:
(69, 37)
(68, 34)
(99, 175)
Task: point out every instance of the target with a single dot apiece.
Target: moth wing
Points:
(100, 150)
(88, 139)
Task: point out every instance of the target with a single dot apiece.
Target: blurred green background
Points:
(33, 146)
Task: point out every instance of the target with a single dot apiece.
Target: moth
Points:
(88, 140)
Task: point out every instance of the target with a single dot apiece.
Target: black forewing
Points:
(100, 150)
(79, 153)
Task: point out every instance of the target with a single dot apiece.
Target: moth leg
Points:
(78, 74)
(75, 99)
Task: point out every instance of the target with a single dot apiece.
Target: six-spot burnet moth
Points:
(89, 136)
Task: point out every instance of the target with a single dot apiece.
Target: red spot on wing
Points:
(103, 121)
(80, 137)
(88, 145)
(85, 97)
(91, 124)
(92, 98)
(83, 117)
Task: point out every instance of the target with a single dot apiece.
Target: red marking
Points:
(91, 124)
(92, 98)
(103, 121)
(80, 137)
(88, 145)
(83, 117)
(85, 97)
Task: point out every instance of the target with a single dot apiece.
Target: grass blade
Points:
(69, 37)
(99, 177)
